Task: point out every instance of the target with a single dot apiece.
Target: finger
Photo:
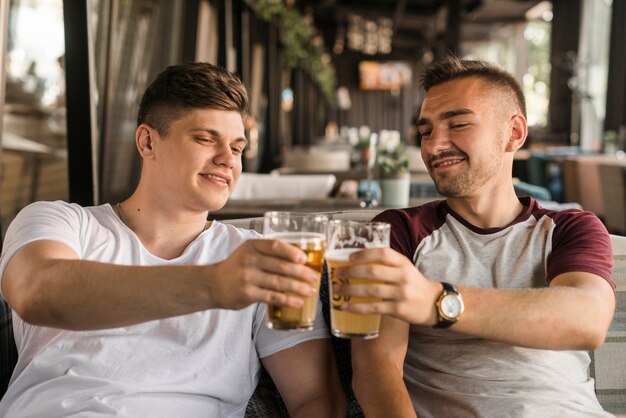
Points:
(281, 267)
(369, 308)
(279, 249)
(285, 285)
(378, 255)
(281, 299)
(275, 298)
(373, 290)
(369, 271)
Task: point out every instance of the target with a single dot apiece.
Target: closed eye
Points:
(425, 133)
(203, 139)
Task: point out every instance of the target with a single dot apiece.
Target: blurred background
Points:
(334, 86)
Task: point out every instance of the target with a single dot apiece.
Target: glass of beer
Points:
(307, 232)
(344, 238)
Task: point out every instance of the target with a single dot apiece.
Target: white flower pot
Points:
(395, 191)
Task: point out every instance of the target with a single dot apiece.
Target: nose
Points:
(225, 156)
(437, 141)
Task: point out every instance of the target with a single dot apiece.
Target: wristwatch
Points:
(449, 306)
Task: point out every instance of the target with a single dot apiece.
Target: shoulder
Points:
(57, 206)
(53, 214)
(60, 208)
(422, 220)
(573, 223)
(234, 232)
(409, 227)
(58, 220)
(224, 238)
(580, 242)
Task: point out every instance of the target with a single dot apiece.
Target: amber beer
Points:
(307, 232)
(344, 238)
(303, 318)
(347, 324)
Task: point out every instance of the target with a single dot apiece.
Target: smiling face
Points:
(465, 127)
(198, 162)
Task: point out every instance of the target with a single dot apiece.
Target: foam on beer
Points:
(297, 237)
(341, 255)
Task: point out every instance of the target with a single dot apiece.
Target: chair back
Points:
(613, 184)
(609, 361)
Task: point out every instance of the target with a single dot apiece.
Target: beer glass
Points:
(307, 232)
(344, 238)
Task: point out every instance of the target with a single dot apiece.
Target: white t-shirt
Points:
(205, 364)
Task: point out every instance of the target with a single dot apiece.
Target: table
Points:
(257, 207)
(33, 152)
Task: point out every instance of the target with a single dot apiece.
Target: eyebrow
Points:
(446, 115)
(217, 134)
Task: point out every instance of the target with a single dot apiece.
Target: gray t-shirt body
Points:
(450, 374)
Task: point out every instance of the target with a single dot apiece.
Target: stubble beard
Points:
(471, 179)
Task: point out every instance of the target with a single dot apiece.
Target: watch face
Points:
(451, 306)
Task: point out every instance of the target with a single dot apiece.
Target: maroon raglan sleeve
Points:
(580, 242)
(401, 231)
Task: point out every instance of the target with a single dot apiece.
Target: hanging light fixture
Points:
(369, 36)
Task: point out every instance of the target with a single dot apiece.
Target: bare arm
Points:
(574, 312)
(46, 284)
(306, 377)
(377, 367)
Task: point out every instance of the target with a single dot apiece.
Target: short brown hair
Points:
(453, 68)
(181, 88)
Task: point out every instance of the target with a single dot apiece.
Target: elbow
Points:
(590, 337)
(31, 306)
(598, 328)
(28, 309)
(25, 309)
(594, 340)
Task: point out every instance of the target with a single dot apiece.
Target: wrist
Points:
(449, 306)
(207, 289)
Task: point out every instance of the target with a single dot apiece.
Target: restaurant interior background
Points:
(333, 83)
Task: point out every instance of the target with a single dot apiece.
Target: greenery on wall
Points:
(301, 48)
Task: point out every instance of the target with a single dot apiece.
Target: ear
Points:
(145, 139)
(518, 133)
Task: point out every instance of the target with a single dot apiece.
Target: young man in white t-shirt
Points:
(145, 309)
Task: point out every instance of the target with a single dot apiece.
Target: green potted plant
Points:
(393, 170)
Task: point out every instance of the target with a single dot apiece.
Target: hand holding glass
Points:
(344, 238)
(307, 232)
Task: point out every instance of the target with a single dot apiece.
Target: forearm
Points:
(332, 405)
(574, 312)
(307, 379)
(387, 397)
(377, 371)
(80, 295)
(558, 317)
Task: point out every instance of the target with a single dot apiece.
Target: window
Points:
(524, 50)
(34, 163)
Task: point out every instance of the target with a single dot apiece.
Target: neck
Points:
(165, 230)
(489, 210)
